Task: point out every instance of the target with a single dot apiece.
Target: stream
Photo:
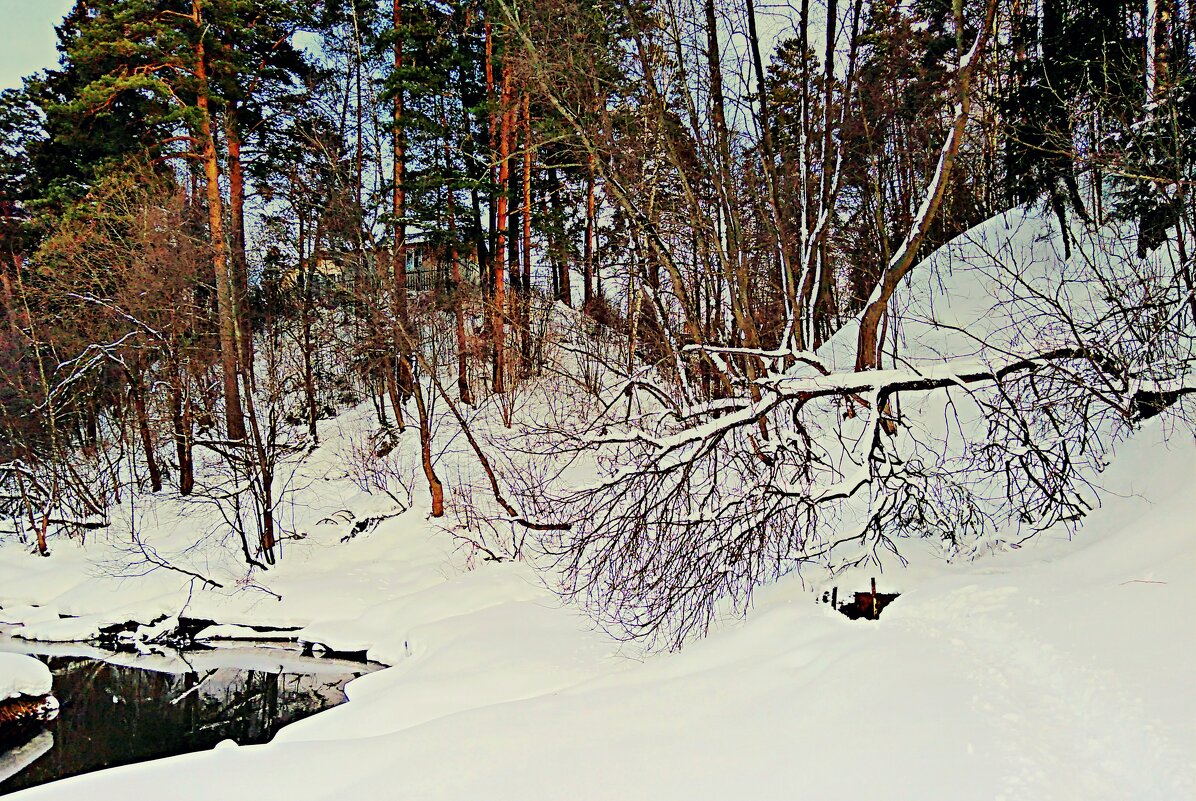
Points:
(118, 709)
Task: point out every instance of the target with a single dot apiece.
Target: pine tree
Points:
(155, 76)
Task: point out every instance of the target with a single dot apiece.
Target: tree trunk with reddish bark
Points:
(500, 254)
(226, 293)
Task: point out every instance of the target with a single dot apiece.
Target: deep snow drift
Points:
(1061, 668)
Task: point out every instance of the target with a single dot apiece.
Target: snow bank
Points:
(23, 675)
(17, 759)
(1004, 287)
(1058, 670)
(323, 575)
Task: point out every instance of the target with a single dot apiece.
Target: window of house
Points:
(415, 260)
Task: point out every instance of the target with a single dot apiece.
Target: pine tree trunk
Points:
(500, 251)
(240, 263)
(309, 373)
(458, 294)
(525, 315)
(226, 293)
(402, 332)
(473, 169)
(492, 121)
(306, 274)
(588, 246)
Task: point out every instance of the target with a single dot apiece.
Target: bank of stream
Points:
(118, 708)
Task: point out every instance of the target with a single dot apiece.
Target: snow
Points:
(17, 759)
(1058, 669)
(231, 632)
(1061, 669)
(266, 657)
(1003, 288)
(23, 675)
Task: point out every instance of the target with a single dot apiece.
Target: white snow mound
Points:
(23, 675)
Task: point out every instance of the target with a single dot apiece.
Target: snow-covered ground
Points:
(23, 675)
(1059, 669)
(1062, 669)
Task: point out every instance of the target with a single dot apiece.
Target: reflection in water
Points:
(116, 714)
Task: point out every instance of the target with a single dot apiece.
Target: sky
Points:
(27, 39)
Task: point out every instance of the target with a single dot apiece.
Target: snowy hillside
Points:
(1057, 669)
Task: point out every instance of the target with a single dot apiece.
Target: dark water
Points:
(115, 714)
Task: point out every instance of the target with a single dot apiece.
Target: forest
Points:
(688, 229)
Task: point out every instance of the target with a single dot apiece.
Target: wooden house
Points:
(429, 266)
